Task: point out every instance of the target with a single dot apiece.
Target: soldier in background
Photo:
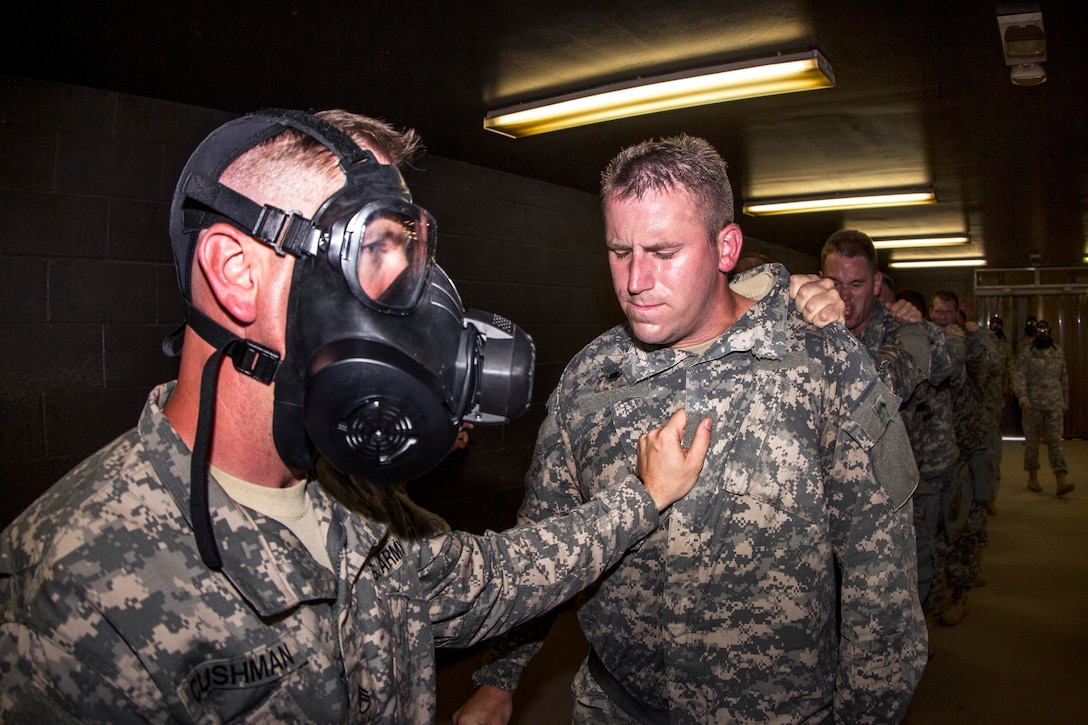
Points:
(1029, 336)
(900, 347)
(1022, 344)
(887, 291)
(972, 436)
(1042, 386)
(937, 455)
(997, 393)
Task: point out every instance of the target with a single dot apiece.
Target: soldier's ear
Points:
(730, 240)
(228, 261)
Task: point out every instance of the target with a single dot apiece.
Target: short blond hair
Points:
(292, 168)
(684, 162)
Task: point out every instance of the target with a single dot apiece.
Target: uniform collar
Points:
(265, 561)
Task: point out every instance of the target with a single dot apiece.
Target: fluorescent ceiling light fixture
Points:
(857, 201)
(930, 263)
(944, 240)
(698, 87)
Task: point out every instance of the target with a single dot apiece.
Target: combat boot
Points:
(957, 609)
(1063, 486)
(1033, 482)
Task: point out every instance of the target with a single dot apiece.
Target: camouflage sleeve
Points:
(480, 586)
(1020, 378)
(977, 361)
(898, 369)
(883, 639)
(552, 483)
(991, 356)
(915, 340)
(940, 364)
(957, 355)
(45, 681)
(1064, 377)
(551, 488)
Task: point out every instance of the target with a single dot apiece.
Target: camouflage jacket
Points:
(929, 415)
(968, 399)
(1041, 378)
(732, 611)
(903, 356)
(900, 352)
(999, 380)
(1005, 364)
(107, 614)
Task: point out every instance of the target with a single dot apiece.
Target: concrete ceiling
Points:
(922, 95)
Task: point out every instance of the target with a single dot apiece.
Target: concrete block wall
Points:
(87, 287)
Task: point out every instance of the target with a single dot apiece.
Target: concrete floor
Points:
(1021, 656)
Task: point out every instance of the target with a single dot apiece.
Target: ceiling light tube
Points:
(699, 87)
(931, 263)
(945, 240)
(857, 201)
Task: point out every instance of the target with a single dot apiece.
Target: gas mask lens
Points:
(385, 254)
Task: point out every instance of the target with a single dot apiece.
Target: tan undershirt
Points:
(754, 288)
(290, 506)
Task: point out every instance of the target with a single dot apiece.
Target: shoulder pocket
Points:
(878, 428)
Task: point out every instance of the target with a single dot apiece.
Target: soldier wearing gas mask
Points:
(1042, 386)
(190, 571)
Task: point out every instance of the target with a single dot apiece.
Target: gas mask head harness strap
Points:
(381, 362)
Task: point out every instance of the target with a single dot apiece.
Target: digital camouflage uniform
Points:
(930, 413)
(998, 385)
(733, 611)
(999, 380)
(971, 417)
(988, 428)
(902, 353)
(108, 615)
(930, 410)
(973, 488)
(927, 414)
(1042, 380)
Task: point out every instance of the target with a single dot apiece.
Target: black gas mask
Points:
(997, 326)
(1029, 327)
(382, 364)
(1043, 340)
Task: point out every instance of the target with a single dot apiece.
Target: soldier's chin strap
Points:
(249, 358)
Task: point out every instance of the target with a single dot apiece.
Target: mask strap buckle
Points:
(287, 232)
(255, 360)
(250, 358)
(284, 231)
